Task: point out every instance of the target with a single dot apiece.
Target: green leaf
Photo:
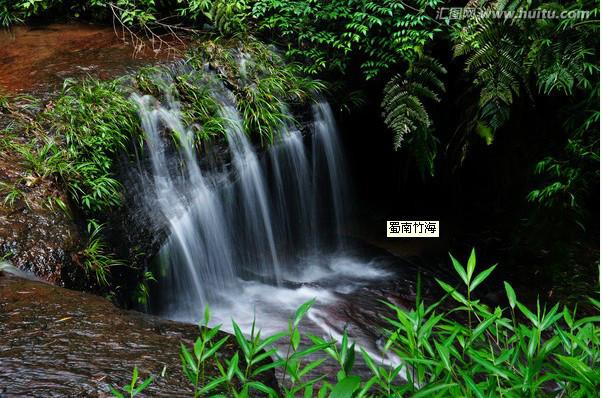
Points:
(143, 386)
(444, 355)
(431, 389)
(241, 340)
(482, 327)
(580, 369)
(453, 292)
(209, 353)
(295, 339)
(369, 361)
(232, 367)
(531, 316)
(468, 380)
(302, 310)
(472, 263)
(207, 315)
(198, 348)
(212, 385)
(263, 388)
(134, 378)
(511, 294)
(481, 277)
(346, 387)
(459, 269)
(188, 359)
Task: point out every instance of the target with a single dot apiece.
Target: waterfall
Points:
(328, 159)
(274, 208)
(256, 230)
(197, 256)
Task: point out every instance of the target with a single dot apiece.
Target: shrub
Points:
(506, 352)
(95, 120)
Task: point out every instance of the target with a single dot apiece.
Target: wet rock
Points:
(35, 234)
(62, 343)
(37, 59)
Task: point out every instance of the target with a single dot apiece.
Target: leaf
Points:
(207, 315)
(444, 354)
(188, 359)
(531, 316)
(263, 388)
(134, 378)
(209, 353)
(431, 389)
(482, 327)
(472, 263)
(212, 385)
(302, 310)
(511, 294)
(346, 387)
(582, 370)
(241, 340)
(468, 380)
(369, 361)
(453, 292)
(142, 386)
(481, 277)
(232, 367)
(459, 269)
(295, 339)
(198, 348)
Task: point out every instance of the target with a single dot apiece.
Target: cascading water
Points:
(256, 240)
(261, 223)
(327, 157)
(260, 238)
(197, 255)
(255, 234)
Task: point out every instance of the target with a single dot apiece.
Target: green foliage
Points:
(134, 388)
(508, 58)
(42, 160)
(133, 12)
(228, 17)
(550, 66)
(566, 183)
(142, 292)
(264, 85)
(406, 114)
(12, 193)
(493, 57)
(98, 259)
(95, 120)
(465, 350)
(129, 12)
(328, 35)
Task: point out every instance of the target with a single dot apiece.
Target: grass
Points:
(263, 85)
(506, 351)
(77, 138)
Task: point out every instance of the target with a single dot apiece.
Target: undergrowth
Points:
(78, 138)
(506, 351)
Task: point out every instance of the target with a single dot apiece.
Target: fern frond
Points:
(405, 112)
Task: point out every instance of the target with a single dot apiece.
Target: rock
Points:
(59, 342)
(37, 237)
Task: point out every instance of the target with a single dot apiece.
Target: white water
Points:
(258, 243)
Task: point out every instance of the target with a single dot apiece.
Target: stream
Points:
(253, 237)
